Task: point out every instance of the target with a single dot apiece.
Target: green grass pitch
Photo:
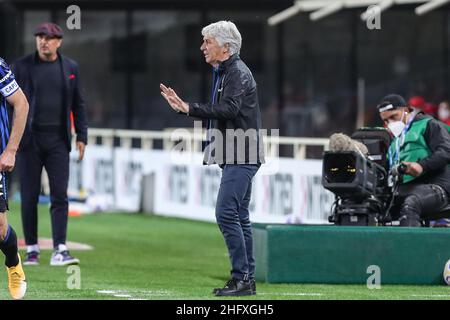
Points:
(139, 256)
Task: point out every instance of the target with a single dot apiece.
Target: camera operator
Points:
(422, 145)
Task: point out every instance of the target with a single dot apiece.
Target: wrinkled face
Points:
(213, 52)
(47, 46)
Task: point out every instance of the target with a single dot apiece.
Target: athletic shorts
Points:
(3, 193)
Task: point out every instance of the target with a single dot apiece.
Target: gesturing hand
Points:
(172, 98)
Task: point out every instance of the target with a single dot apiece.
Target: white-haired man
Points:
(234, 143)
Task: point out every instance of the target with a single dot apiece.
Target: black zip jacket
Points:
(235, 113)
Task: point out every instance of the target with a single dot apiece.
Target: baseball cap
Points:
(49, 29)
(391, 102)
(417, 102)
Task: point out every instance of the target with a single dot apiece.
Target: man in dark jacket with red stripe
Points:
(52, 85)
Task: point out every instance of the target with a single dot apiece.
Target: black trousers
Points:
(48, 150)
(414, 203)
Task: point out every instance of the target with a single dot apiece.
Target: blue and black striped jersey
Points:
(8, 86)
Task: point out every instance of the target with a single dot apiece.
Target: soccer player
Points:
(9, 143)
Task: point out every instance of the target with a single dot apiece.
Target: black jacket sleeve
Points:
(15, 71)
(438, 140)
(235, 86)
(79, 110)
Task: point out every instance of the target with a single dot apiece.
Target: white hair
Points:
(224, 32)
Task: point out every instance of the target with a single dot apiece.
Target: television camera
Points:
(356, 171)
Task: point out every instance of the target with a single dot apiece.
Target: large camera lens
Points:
(339, 168)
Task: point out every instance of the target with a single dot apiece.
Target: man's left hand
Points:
(7, 160)
(413, 168)
(81, 146)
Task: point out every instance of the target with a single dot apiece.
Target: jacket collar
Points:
(421, 115)
(227, 63)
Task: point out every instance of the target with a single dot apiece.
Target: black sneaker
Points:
(252, 283)
(253, 286)
(63, 258)
(235, 287)
(31, 259)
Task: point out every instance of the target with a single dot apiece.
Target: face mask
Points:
(444, 113)
(397, 127)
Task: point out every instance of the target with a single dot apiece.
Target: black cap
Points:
(391, 102)
(49, 29)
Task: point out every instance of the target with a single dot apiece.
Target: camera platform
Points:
(342, 254)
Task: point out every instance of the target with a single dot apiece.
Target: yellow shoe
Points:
(16, 281)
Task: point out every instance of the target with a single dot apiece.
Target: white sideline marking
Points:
(290, 294)
(432, 295)
(106, 291)
(47, 244)
(131, 293)
(135, 294)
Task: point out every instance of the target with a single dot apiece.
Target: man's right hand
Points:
(413, 169)
(174, 101)
(81, 146)
(7, 160)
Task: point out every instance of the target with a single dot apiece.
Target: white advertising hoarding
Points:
(284, 190)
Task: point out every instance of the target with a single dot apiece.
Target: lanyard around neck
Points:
(400, 140)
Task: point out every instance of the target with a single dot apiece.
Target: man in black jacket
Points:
(422, 145)
(234, 143)
(52, 85)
